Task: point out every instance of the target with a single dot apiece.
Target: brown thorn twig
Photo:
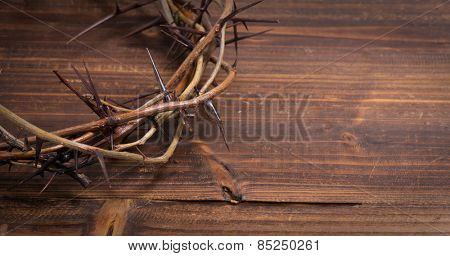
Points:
(203, 9)
(139, 97)
(236, 39)
(81, 97)
(117, 11)
(239, 10)
(97, 109)
(100, 106)
(40, 171)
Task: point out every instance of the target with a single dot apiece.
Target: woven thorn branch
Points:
(69, 150)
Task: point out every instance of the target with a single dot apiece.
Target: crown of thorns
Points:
(195, 37)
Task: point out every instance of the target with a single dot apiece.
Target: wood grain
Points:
(370, 147)
(146, 217)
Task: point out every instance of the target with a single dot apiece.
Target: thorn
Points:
(239, 10)
(117, 11)
(96, 24)
(178, 57)
(84, 82)
(101, 160)
(176, 40)
(100, 106)
(80, 178)
(214, 114)
(117, 103)
(145, 26)
(235, 33)
(245, 25)
(177, 36)
(140, 97)
(40, 171)
(246, 36)
(29, 177)
(92, 91)
(91, 84)
(244, 20)
(162, 86)
(39, 143)
(48, 183)
(142, 154)
(64, 81)
(82, 98)
(203, 9)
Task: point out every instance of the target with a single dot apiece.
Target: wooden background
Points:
(373, 157)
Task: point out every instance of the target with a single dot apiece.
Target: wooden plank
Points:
(145, 217)
(377, 118)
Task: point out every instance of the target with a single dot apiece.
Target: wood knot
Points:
(111, 218)
(352, 142)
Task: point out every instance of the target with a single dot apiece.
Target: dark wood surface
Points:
(359, 92)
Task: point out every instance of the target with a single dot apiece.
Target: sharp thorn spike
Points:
(80, 178)
(176, 40)
(235, 33)
(26, 179)
(81, 97)
(140, 97)
(101, 160)
(146, 26)
(117, 11)
(246, 36)
(239, 10)
(142, 154)
(245, 25)
(48, 183)
(162, 86)
(39, 143)
(94, 92)
(214, 114)
(97, 110)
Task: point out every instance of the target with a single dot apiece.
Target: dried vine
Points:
(68, 150)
